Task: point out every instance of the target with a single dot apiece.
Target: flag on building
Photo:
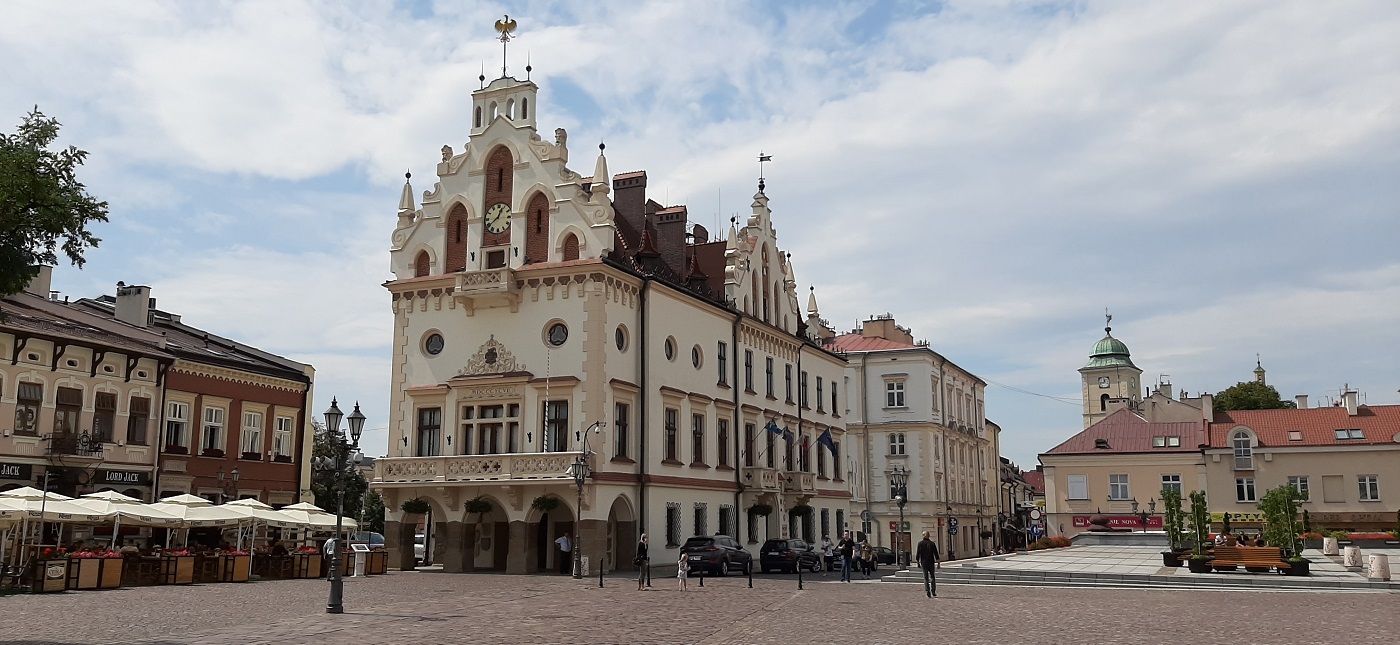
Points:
(772, 427)
(826, 440)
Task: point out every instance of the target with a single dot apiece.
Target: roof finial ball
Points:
(601, 146)
(1108, 320)
(407, 176)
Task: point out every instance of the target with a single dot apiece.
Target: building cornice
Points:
(237, 376)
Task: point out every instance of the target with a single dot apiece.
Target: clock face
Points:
(1103, 381)
(498, 218)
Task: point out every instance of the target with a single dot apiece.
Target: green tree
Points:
(1251, 395)
(323, 480)
(374, 512)
(41, 203)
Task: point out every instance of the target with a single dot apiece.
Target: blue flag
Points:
(788, 436)
(773, 427)
(826, 440)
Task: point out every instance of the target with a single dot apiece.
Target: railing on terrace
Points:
(469, 468)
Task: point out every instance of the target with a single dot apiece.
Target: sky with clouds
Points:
(1222, 175)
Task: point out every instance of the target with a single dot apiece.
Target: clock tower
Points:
(1110, 376)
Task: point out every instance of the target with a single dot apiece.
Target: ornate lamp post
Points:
(1144, 515)
(226, 486)
(899, 484)
(580, 471)
(337, 465)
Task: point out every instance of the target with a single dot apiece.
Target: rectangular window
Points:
(702, 516)
(748, 370)
(787, 378)
(753, 528)
(251, 436)
(826, 523)
(896, 443)
(833, 399)
(671, 420)
(620, 439)
(138, 419)
(1244, 489)
(556, 426)
(768, 447)
(488, 438)
(104, 416)
(67, 405)
(28, 401)
(1300, 484)
(726, 520)
(177, 424)
(820, 396)
(836, 461)
(513, 436)
(282, 438)
(805, 460)
(673, 524)
(1173, 482)
(697, 439)
(429, 432)
(1077, 487)
(722, 441)
(722, 362)
(1118, 487)
(802, 389)
(894, 394)
(768, 375)
(748, 444)
(821, 461)
(1370, 488)
(212, 433)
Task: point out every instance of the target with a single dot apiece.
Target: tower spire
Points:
(1108, 321)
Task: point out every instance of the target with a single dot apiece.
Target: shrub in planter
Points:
(1198, 564)
(1199, 522)
(545, 503)
(1280, 508)
(416, 506)
(477, 505)
(762, 510)
(1175, 524)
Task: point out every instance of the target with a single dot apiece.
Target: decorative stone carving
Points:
(491, 392)
(446, 153)
(434, 195)
(491, 358)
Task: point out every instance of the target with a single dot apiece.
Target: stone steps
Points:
(1238, 582)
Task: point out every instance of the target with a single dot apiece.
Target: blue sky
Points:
(1220, 175)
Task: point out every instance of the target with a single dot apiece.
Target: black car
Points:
(718, 555)
(882, 555)
(788, 555)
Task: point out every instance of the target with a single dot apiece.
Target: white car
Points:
(420, 542)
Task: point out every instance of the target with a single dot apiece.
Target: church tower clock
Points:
(1110, 376)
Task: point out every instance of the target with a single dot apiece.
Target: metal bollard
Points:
(648, 565)
(702, 577)
(750, 570)
(799, 574)
(600, 575)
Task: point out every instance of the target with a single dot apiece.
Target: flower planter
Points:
(95, 573)
(251, 456)
(1198, 565)
(211, 452)
(282, 459)
(1299, 568)
(177, 570)
(306, 565)
(234, 568)
(1171, 559)
(50, 575)
(1312, 543)
(377, 563)
(176, 450)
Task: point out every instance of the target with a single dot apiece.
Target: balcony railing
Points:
(74, 444)
(761, 478)
(475, 468)
(799, 482)
(1244, 463)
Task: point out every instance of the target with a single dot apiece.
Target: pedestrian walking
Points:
(682, 571)
(865, 554)
(565, 549)
(827, 553)
(927, 555)
(846, 548)
(643, 562)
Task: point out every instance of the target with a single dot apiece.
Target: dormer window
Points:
(1159, 442)
(1100, 444)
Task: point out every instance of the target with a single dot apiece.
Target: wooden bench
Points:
(1249, 556)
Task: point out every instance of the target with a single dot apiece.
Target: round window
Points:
(433, 344)
(558, 333)
(620, 338)
(670, 349)
(695, 356)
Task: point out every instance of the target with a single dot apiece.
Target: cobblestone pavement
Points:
(426, 607)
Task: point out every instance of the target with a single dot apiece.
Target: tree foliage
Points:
(1175, 520)
(323, 480)
(374, 512)
(1250, 395)
(43, 206)
(1199, 521)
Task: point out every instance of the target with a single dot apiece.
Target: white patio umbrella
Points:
(186, 499)
(317, 517)
(129, 508)
(29, 492)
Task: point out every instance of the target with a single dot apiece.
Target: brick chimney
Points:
(1207, 407)
(1302, 401)
(134, 304)
(42, 281)
(885, 327)
(630, 197)
(1349, 400)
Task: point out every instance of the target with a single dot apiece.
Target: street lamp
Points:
(1143, 515)
(899, 483)
(226, 486)
(580, 471)
(951, 530)
(336, 465)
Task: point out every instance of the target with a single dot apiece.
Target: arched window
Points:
(570, 247)
(421, 264)
(493, 110)
(499, 190)
(524, 108)
(764, 257)
(455, 259)
(1244, 450)
(510, 109)
(1103, 403)
(478, 116)
(537, 229)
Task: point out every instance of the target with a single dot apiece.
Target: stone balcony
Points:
(761, 479)
(487, 288)
(799, 482)
(521, 467)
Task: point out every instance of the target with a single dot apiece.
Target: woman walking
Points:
(643, 562)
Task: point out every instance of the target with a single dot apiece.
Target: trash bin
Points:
(1351, 558)
(1379, 569)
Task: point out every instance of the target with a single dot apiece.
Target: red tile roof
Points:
(1126, 432)
(858, 343)
(1036, 480)
(1379, 424)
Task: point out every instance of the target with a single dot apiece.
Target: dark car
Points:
(788, 555)
(374, 540)
(882, 555)
(718, 555)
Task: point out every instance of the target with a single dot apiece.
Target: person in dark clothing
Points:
(846, 548)
(643, 562)
(927, 555)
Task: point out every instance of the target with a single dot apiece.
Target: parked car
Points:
(420, 543)
(788, 555)
(883, 555)
(718, 554)
(374, 540)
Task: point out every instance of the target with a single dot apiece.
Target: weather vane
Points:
(762, 158)
(1108, 322)
(505, 26)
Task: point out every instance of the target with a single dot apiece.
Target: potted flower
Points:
(211, 452)
(1199, 521)
(545, 503)
(173, 449)
(100, 569)
(177, 567)
(1175, 524)
(306, 562)
(801, 510)
(234, 566)
(1311, 540)
(51, 570)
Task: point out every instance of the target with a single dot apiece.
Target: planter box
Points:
(282, 459)
(251, 456)
(234, 568)
(1312, 543)
(378, 563)
(176, 450)
(1296, 569)
(211, 452)
(1198, 566)
(95, 573)
(50, 575)
(1371, 543)
(306, 565)
(177, 570)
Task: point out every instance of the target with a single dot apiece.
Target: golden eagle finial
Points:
(505, 26)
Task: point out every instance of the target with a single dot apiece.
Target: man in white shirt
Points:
(827, 554)
(565, 551)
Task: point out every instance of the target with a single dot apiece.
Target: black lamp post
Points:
(580, 471)
(337, 466)
(1145, 514)
(899, 483)
(951, 531)
(226, 486)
